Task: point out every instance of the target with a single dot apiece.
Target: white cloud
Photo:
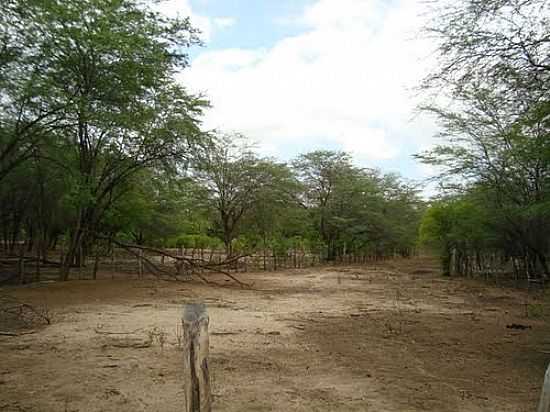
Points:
(224, 22)
(344, 81)
(207, 25)
(342, 14)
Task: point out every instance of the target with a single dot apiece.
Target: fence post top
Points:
(193, 312)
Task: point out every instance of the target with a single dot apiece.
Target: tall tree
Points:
(109, 65)
(495, 71)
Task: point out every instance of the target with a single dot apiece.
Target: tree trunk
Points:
(70, 257)
(446, 261)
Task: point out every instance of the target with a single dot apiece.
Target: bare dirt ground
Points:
(388, 337)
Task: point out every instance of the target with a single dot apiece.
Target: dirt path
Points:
(392, 337)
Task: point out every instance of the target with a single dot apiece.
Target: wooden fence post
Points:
(544, 403)
(113, 263)
(38, 255)
(21, 265)
(140, 264)
(195, 358)
(96, 265)
(80, 262)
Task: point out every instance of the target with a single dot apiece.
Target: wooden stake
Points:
(38, 263)
(96, 264)
(113, 263)
(21, 264)
(140, 264)
(544, 403)
(195, 358)
(80, 262)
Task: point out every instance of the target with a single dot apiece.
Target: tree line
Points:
(98, 141)
(491, 96)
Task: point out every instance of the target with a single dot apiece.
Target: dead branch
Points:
(229, 275)
(17, 334)
(192, 263)
(23, 311)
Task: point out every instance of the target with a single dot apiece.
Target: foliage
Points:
(98, 141)
(494, 77)
(355, 209)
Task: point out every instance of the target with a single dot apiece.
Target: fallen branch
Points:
(21, 310)
(208, 282)
(17, 334)
(223, 272)
(189, 262)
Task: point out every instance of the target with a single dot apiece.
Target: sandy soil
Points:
(390, 337)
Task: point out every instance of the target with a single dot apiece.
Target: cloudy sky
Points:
(299, 75)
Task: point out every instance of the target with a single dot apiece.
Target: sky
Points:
(301, 75)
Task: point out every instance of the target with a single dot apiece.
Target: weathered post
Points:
(195, 358)
(544, 403)
(96, 266)
(80, 262)
(21, 265)
(140, 264)
(38, 255)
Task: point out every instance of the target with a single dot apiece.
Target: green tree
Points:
(25, 119)
(322, 173)
(456, 229)
(235, 180)
(495, 71)
(109, 65)
(356, 209)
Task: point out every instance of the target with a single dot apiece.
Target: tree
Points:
(34, 205)
(457, 229)
(321, 174)
(25, 120)
(352, 208)
(153, 210)
(276, 216)
(121, 110)
(235, 180)
(495, 71)
(499, 45)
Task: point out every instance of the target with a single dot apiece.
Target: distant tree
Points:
(276, 215)
(154, 209)
(456, 228)
(235, 180)
(322, 173)
(356, 209)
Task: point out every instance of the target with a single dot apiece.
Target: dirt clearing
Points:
(387, 337)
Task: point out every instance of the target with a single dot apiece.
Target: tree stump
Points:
(195, 358)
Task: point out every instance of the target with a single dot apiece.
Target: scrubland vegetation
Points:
(102, 150)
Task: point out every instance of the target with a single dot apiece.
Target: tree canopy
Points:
(494, 75)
